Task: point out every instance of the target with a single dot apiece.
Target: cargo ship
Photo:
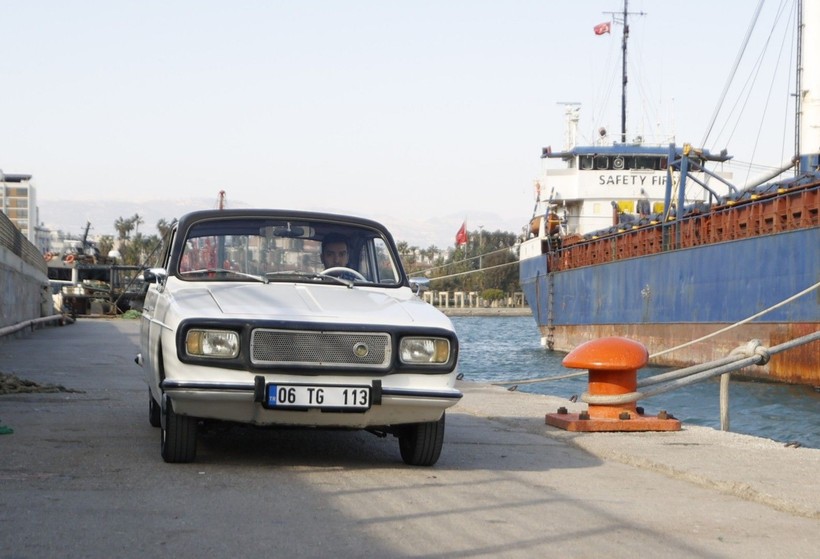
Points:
(649, 243)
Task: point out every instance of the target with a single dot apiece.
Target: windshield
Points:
(248, 249)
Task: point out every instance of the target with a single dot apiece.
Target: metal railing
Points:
(751, 353)
(14, 240)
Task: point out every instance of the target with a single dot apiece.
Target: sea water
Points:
(501, 349)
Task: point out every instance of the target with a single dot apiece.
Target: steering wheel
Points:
(341, 271)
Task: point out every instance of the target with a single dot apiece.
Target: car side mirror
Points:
(154, 275)
(419, 285)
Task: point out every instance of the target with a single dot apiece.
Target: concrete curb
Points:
(751, 468)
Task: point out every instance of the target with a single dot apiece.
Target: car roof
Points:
(202, 215)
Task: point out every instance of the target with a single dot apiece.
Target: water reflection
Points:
(496, 349)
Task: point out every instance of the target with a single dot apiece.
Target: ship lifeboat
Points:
(551, 227)
(553, 223)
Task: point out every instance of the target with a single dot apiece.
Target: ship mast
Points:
(808, 92)
(624, 39)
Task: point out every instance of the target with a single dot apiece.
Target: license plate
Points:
(302, 396)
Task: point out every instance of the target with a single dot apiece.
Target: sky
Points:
(419, 114)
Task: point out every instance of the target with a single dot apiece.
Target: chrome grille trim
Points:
(317, 348)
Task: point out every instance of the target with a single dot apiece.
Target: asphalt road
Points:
(82, 476)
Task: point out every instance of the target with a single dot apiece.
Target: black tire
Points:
(178, 442)
(420, 443)
(153, 411)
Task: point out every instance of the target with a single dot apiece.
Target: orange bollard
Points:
(613, 365)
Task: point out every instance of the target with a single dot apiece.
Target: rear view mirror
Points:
(419, 285)
(154, 275)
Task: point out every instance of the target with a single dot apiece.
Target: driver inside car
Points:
(335, 251)
(336, 258)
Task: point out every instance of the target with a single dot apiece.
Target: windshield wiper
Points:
(308, 276)
(224, 271)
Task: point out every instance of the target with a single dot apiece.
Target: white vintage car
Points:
(288, 318)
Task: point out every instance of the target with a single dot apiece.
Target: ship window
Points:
(646, 163)
(586, 162)
(601, 162)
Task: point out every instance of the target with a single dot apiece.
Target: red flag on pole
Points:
(602, 28)
(461, 235)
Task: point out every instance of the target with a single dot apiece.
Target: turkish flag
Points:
(461, 235)
(602, 28)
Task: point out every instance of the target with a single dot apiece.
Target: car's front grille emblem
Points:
(361, 350)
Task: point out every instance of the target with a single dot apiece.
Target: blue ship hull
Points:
(672, 297)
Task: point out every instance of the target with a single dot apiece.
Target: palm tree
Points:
(137, 219)
(123, 227)
(164, 226)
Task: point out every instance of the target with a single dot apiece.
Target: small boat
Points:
(637, 240)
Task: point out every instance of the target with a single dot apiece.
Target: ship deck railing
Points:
(796, 208)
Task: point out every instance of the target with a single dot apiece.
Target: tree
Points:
(123, 227)
(164, 227)
(487, 262)
(105, 244)
(137, 250)
(137, 219)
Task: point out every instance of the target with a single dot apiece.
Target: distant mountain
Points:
(71, 216)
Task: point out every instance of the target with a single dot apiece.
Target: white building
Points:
(18, 200)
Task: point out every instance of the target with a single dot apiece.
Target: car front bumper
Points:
(240, 401)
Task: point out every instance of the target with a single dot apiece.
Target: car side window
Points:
(385, 266)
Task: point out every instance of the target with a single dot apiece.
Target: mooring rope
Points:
(541, 379)
(751, 353)
(682, 372)
(744, 321)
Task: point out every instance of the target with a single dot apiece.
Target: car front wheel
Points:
(178, 437)
(420, 443)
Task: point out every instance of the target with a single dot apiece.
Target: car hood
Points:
(309, 303)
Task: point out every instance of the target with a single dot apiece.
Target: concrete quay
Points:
(81, 476)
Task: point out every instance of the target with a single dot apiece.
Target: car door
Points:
(153, 311)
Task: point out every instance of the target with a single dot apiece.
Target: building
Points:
(18, 200)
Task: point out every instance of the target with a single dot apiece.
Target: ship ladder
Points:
(550, 304)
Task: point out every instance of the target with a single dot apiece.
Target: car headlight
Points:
(420, 351)
(212, 343)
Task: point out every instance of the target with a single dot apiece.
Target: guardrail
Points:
(33, 323)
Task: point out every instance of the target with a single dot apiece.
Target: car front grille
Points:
(361, 350)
